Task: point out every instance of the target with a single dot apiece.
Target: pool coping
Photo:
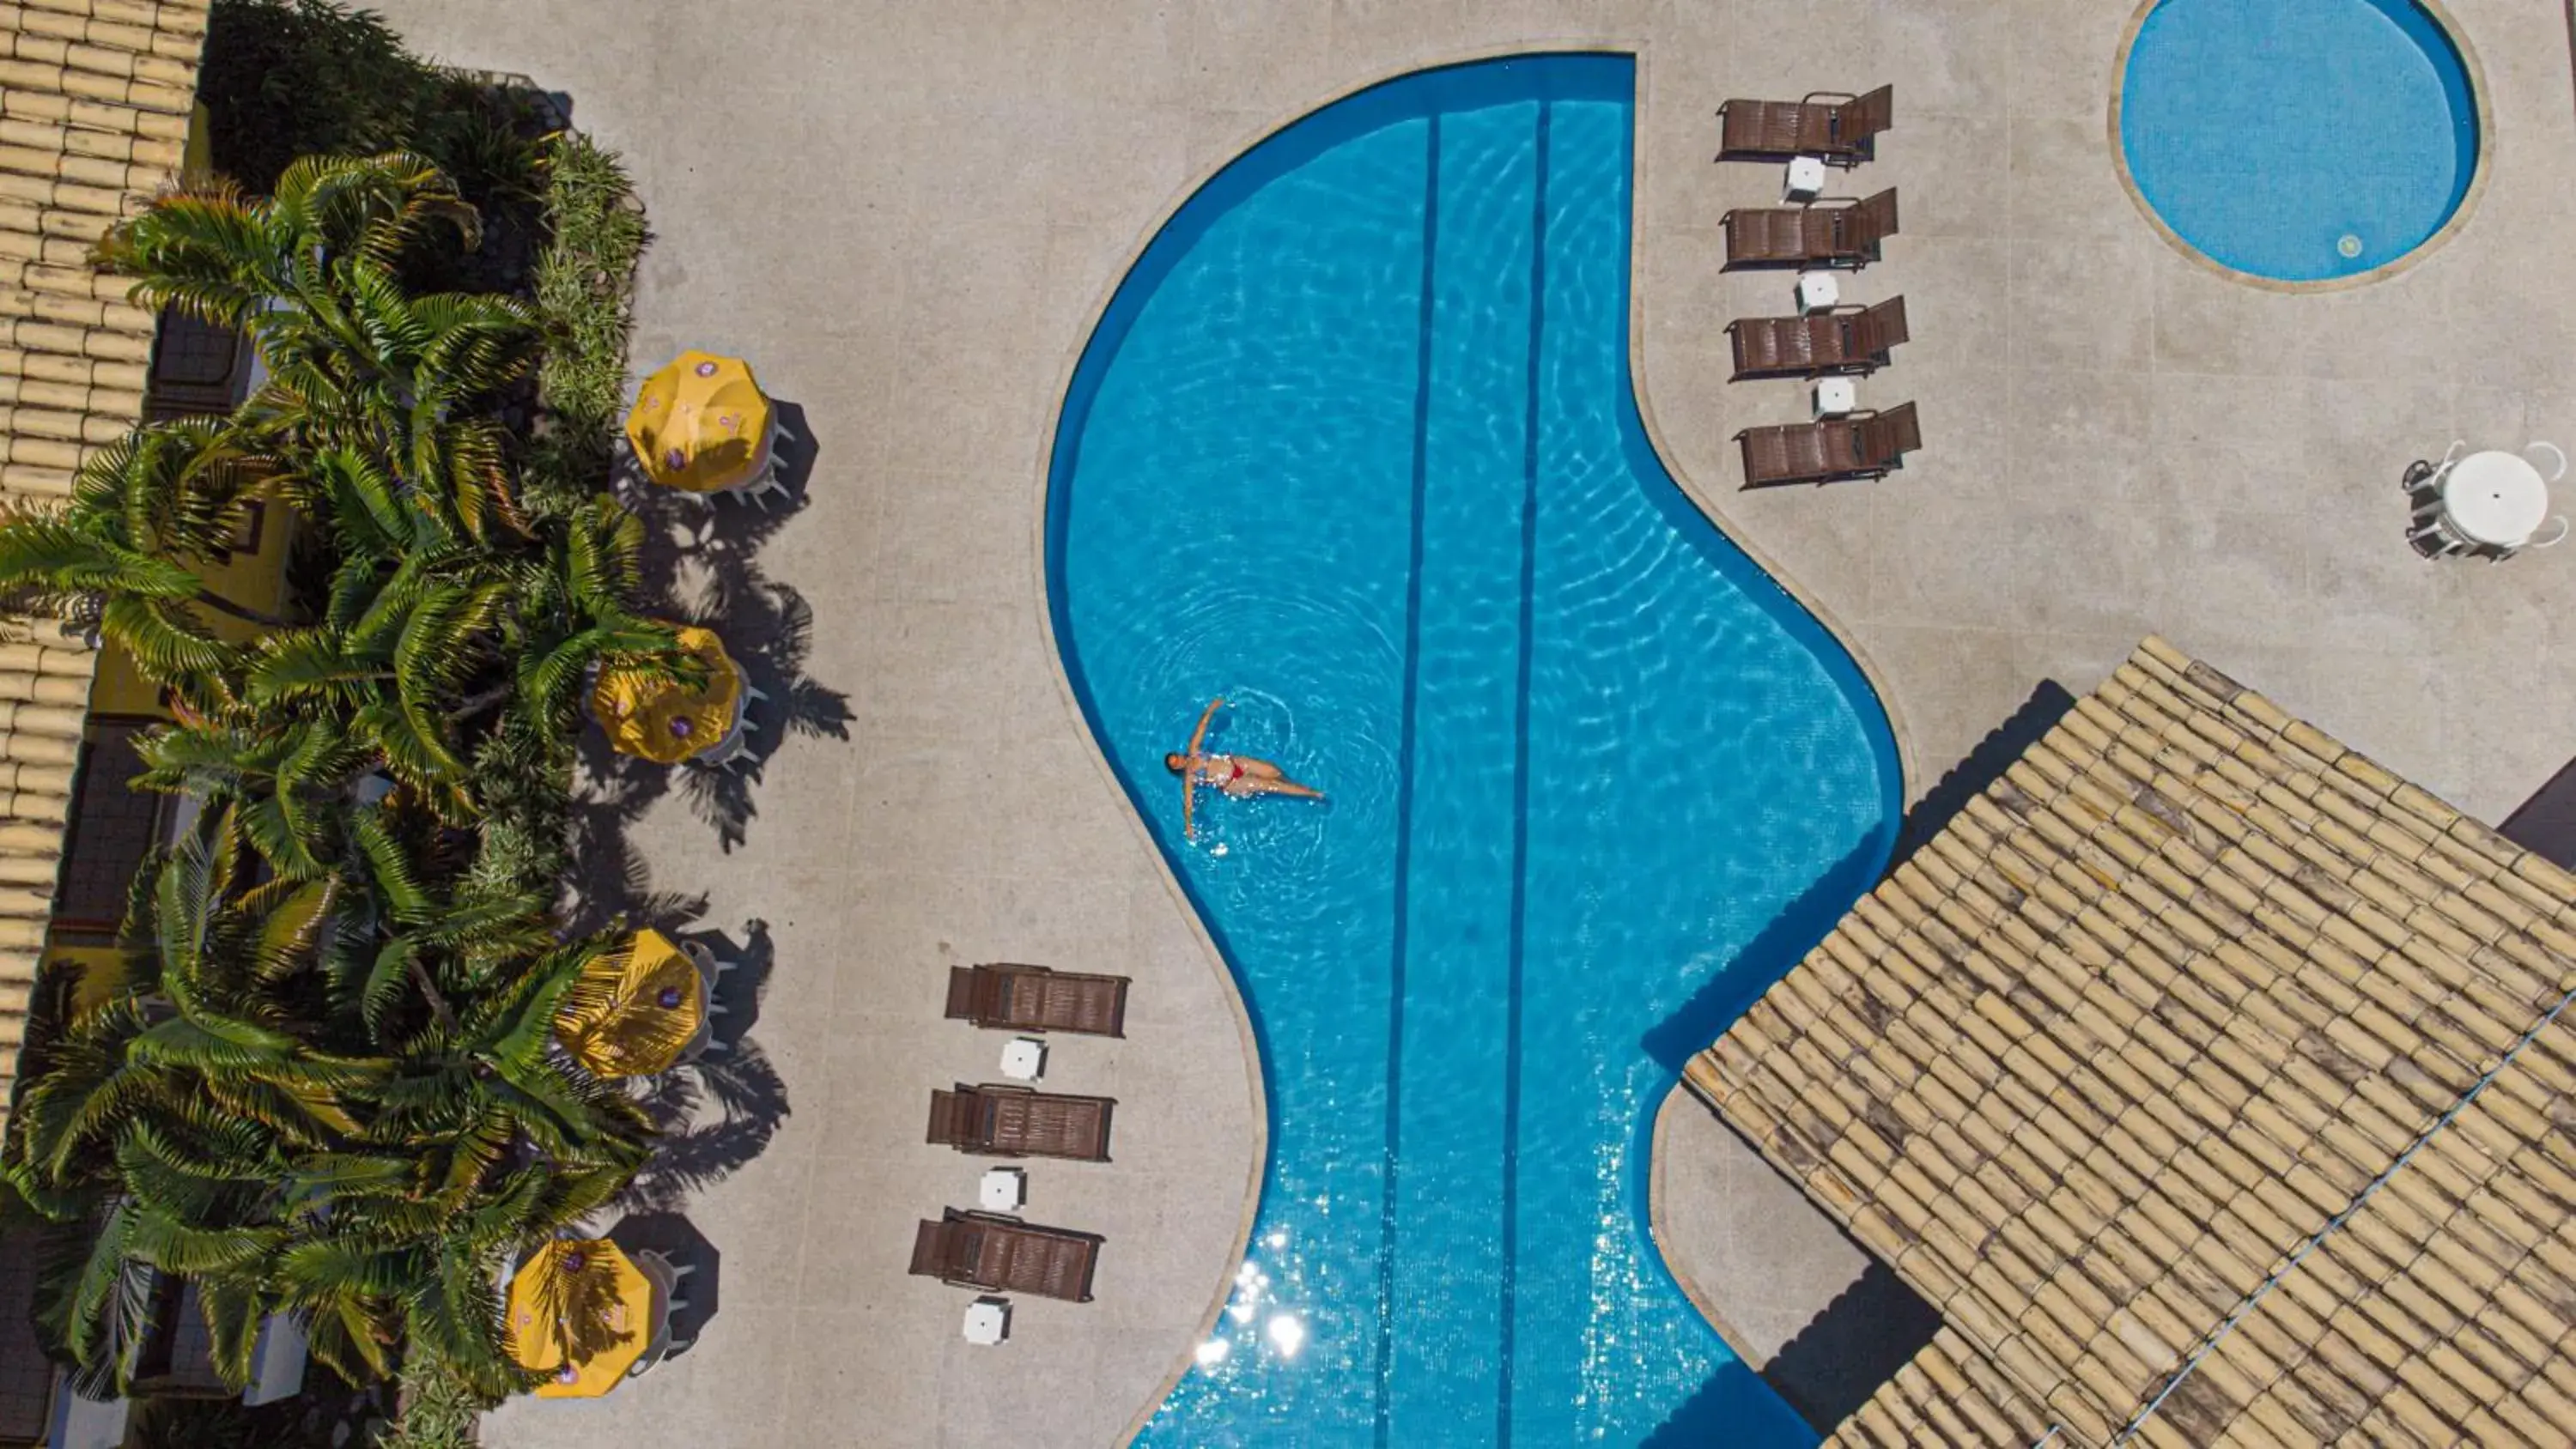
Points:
(1640, 50)
(2450, 227)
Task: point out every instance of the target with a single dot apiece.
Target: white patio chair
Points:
(664, 1277)
(736, 745)
(2431, 481)
(2535, 541)
(711, 970)
(759, 486)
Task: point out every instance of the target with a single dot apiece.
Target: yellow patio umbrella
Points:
(701, 424)
(580, 1313)
(637, 1009)
(648, 716)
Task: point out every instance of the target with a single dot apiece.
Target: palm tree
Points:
(162, 1124)
(366, 1169)
(145, 514)
(574, 613)
(353, 359)
(323, 1079)
(489, 1142)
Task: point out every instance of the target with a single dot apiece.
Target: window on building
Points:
(113, 827)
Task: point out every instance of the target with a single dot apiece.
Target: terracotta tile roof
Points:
(94, 103)
(2191, 988)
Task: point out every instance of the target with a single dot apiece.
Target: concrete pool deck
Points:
(908, 217)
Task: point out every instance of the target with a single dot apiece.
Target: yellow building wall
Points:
(253, 580)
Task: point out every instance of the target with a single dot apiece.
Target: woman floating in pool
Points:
(1236, 775)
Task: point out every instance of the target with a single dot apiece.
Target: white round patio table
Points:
(2495, 498)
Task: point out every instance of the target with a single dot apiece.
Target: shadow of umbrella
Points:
(740, 989)
(678, 1240)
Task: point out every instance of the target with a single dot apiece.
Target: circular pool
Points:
(2298, 140)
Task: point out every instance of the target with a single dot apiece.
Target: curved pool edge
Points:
(1804, 607)
(1702, 1302)
(1906, 763)
(2479, 174)
(1247, 1039)
(1256, 1081)
(1706, 500)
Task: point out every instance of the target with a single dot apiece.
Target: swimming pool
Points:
(1354, 447)
(2300, 140)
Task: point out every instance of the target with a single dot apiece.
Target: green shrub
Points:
(438, 1412)
(313, 1420)
(284, 79)
(289, 78)
(585, 289)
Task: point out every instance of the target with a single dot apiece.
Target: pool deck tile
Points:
(907, 215)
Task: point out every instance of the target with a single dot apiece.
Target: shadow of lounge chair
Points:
(1834, 233)
(1841, 129)
(1001, 1254)
(1863, 445)
(1003, 1121)
(1853, 340)
(1035, 998)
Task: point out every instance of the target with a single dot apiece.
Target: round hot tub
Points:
(2298, 141)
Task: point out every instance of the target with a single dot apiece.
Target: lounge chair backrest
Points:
(1877, 218)
(964, 982)
(945, 1249)
(1878, 329)
(1890, 435)
(1859, 119)
(953, 1116)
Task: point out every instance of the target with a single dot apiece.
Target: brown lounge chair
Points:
(1034, 998)
(1853, 340)
(1835, 233)
(1020, 1122)
(1864, 445)
(1841, 129)
(1004, 1255)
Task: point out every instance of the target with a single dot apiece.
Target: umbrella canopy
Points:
(580, 1312)
(636, 1010)
(648, 716)
(701, 424)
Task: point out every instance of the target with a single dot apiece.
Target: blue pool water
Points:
(2299, 139)
(1354, 447)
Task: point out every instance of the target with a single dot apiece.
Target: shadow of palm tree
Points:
(611, 885)
(720, 1111)
(701, 566)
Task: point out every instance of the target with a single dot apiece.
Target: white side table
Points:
(1835, 396)
(1818, 291)
(988, 1321)
(1804, 180)
(1002, 1190)
(1024, 1059)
